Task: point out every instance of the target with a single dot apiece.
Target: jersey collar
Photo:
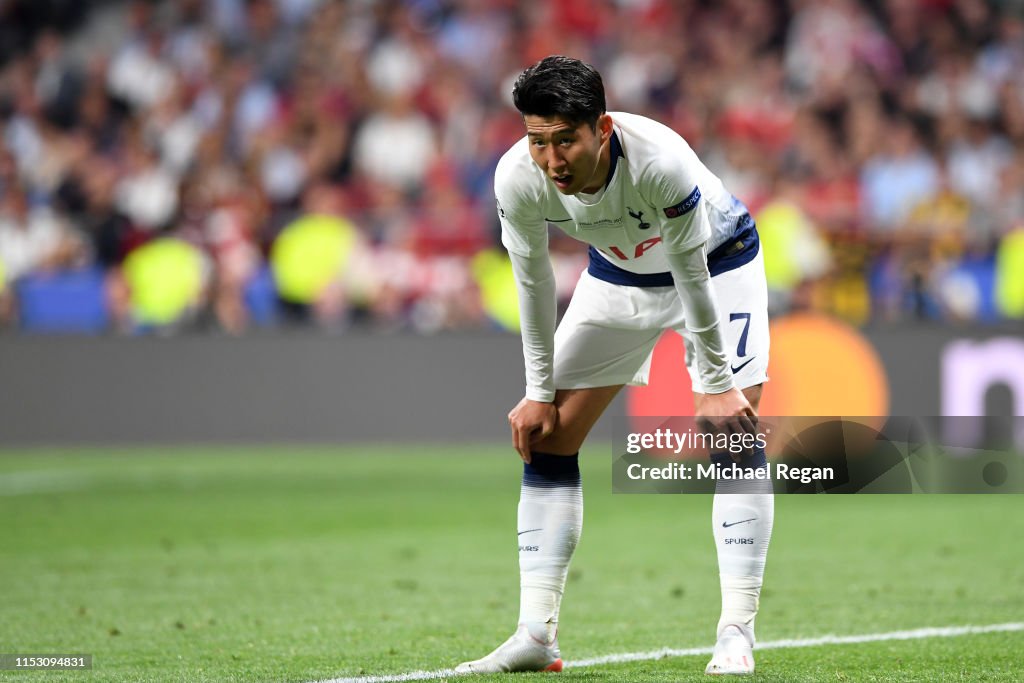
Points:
(616, 152)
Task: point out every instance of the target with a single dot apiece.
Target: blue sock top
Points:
(547, 470)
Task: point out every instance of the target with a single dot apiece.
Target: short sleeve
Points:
(672, 188)
(525, 235)
(523, 228)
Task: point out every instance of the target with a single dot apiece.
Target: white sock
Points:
(743, 527)
(550, 521)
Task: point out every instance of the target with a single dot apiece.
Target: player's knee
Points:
(753, 395)
(564, 440)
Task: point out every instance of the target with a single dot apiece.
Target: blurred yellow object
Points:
(165, 279)
(309, 254)
(1010, 274)
(3, 277)
(850, 298)
(792, 248)
(492, 271)
(944, 215)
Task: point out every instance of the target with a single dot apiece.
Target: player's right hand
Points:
(531, 422)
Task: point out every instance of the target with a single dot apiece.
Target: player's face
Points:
(574, 157)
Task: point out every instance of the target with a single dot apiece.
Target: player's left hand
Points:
(729, 410)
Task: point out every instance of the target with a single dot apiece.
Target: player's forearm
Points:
(535, 283)
(693, 283)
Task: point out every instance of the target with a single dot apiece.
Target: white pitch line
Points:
(915, 634)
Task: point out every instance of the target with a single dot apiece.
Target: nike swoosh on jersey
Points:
(528, 531)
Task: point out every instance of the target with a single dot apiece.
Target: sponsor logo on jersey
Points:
(684, 207)
(638, 250)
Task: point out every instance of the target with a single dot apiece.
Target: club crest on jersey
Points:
(639, 216)
(684, 207)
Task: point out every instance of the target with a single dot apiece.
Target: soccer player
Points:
(670, 248)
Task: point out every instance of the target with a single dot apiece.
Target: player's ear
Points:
(604, 127)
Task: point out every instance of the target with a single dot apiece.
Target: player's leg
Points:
(549, 520)
(578, 411)
(743, 511)
(594, 357)
(550, 514)
(742, 517)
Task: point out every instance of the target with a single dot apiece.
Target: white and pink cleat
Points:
(521, 652)
(734, 652)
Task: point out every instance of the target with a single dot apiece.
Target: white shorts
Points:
(608, 333)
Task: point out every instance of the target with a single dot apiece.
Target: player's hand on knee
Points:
(531, 421)
(729, 411)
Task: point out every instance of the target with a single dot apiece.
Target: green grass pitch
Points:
(300, 564)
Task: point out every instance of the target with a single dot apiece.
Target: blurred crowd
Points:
(231, 163)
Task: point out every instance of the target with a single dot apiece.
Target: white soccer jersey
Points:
(661, 196)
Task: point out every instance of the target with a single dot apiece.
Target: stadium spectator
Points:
(897, 124)
(33, 239)
(897, 177)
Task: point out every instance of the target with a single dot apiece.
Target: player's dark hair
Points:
(561, 86)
